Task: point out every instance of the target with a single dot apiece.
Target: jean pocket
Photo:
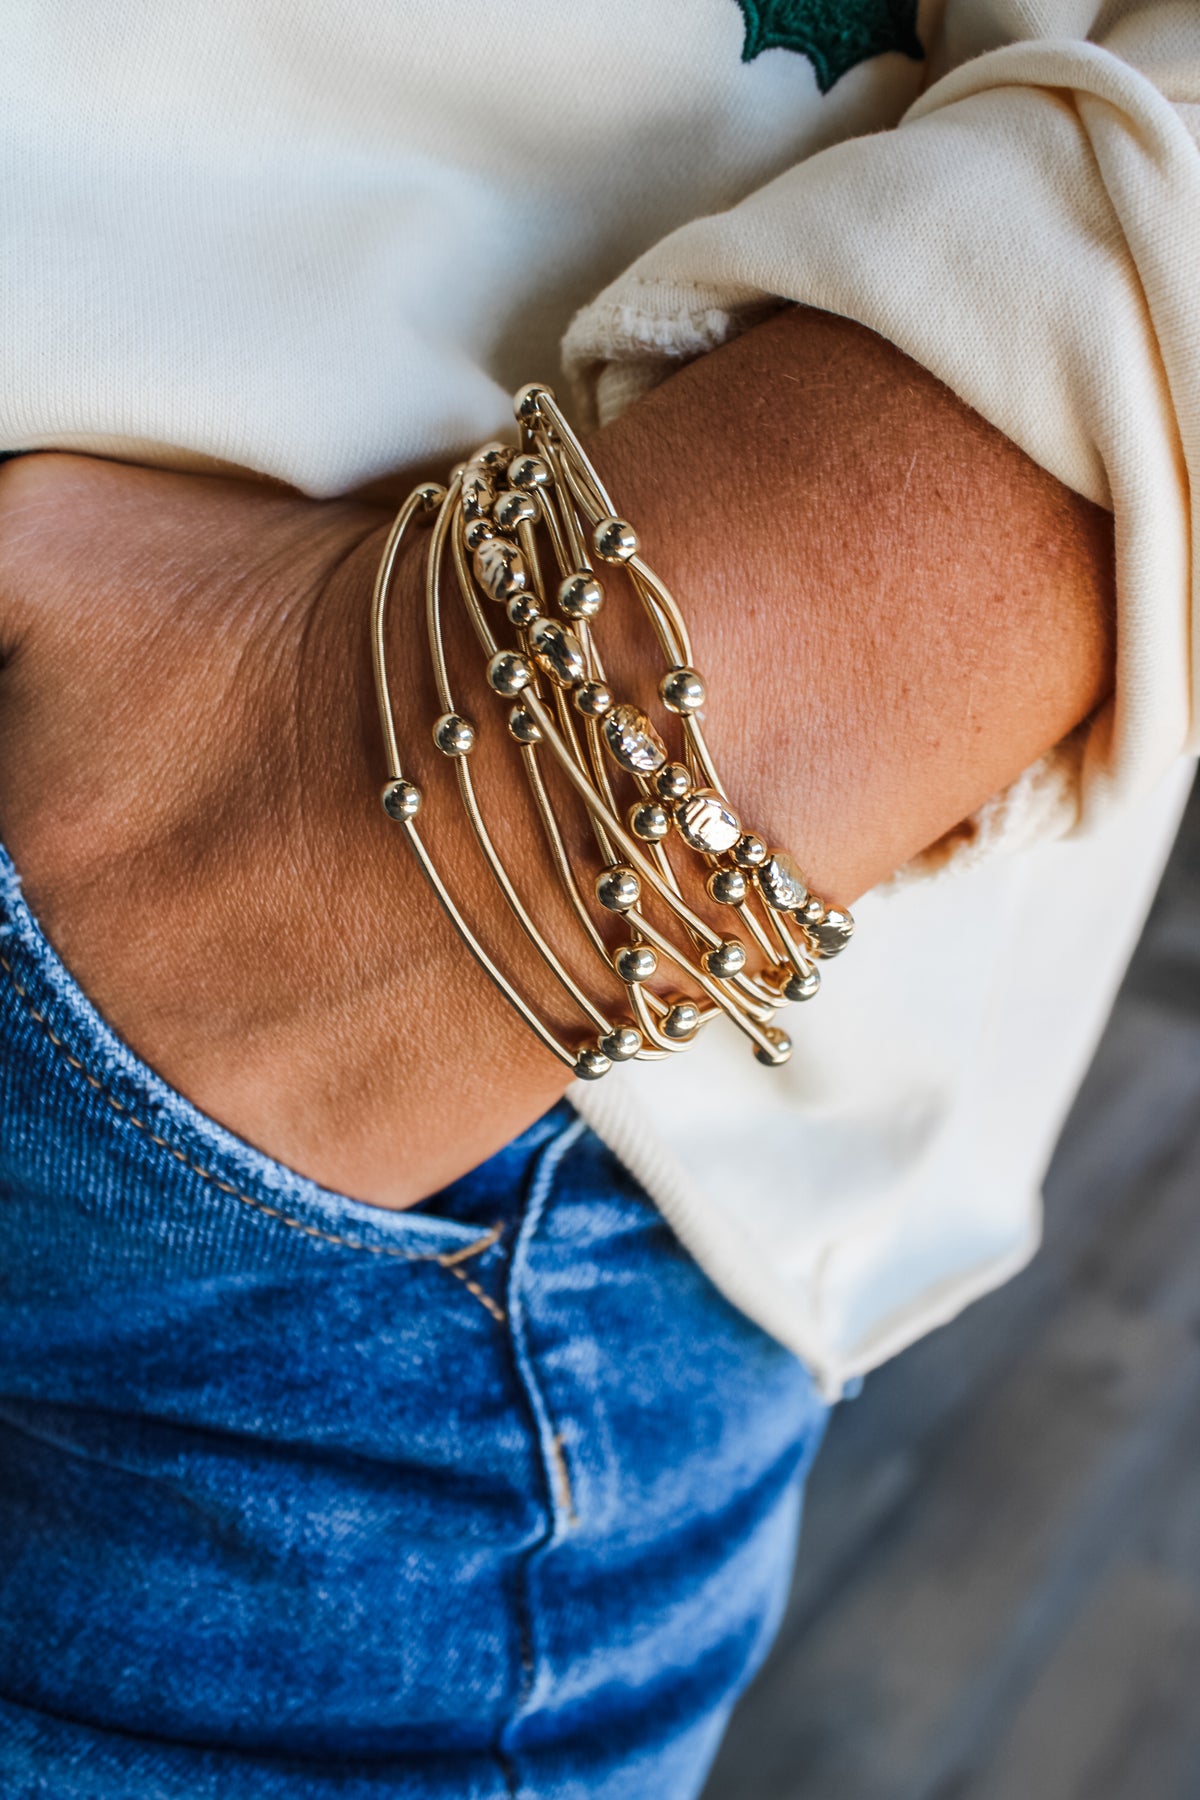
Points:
(91, 1133)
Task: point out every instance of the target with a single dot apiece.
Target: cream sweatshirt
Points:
(322, 243)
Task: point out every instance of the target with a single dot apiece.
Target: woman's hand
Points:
(191, 775)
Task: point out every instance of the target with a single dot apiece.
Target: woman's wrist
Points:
(873, 764)
(895, 611)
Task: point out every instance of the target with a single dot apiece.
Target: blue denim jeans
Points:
(299, 1497)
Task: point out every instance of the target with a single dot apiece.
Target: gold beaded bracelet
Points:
(491, 524)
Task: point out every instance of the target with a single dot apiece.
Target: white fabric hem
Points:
(735, 1265)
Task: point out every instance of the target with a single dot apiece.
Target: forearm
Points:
(897, 610)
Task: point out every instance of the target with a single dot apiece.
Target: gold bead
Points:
(454, 735)
(635, 962)
(508, 673)
(523, 726)
(832, 932)
(749, 851)
(615, 540)
(527, 401)
(632, 741)
(528, 472)
(429, 498)
(728, 958)
(803, 987)
(500, 569)
(673, 782)
(476, 532)
(476, 494)
(781, 883)
(513, 508)
(707, 823)
(522, 610)
(681, 1021)
(592, 699)
(622, 1044)
(682, 691)
(649, 821)
(727, 887)
(781, 1047)
(580, 595)
(494, 456)
(618, 888)
(558, 651)
(401, 799)
(591, 1064)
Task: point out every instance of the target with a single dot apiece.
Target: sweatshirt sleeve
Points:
(1030, 233)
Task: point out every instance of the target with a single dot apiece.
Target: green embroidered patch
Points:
(833, 34)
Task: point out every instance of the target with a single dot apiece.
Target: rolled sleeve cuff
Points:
(1030, 233)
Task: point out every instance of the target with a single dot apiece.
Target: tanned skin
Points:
(895, 609)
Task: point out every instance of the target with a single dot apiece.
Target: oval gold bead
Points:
(632, 741)
(558, 651)
(831, 933)
(706, 823)
(781, 882)
(500, 569)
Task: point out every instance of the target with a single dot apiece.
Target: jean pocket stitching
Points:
(450, 1260)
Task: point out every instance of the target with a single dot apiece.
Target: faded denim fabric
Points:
(299, 1497)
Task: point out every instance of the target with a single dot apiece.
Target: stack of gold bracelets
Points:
(492, 525)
